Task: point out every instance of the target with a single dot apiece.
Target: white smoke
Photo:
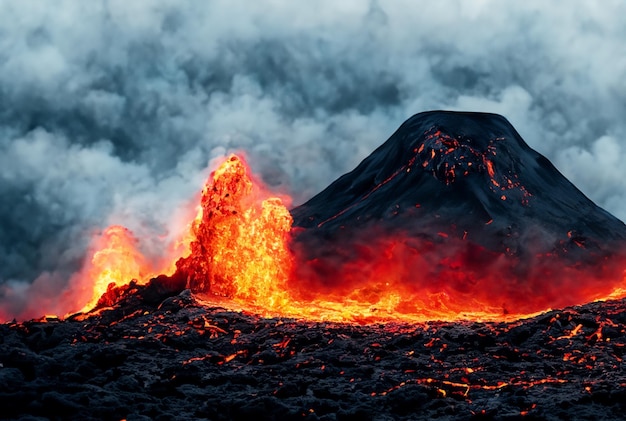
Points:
(113, 109)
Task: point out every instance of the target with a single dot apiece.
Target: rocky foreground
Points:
(151, 356)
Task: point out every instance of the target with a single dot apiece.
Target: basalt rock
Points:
(181, 359)
(467, 176)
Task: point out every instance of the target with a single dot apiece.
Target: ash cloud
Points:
(113, 110)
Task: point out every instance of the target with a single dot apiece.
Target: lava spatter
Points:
(241, 240)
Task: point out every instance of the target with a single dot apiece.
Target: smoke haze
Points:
(112, 110)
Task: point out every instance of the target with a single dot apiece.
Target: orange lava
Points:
(408, 279)
(115, 262)
(241, 246)
(241, 251)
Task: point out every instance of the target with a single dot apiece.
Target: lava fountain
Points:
(241, 245)
(454, 217)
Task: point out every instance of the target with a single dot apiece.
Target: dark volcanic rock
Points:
(470, 176)
(184, 360)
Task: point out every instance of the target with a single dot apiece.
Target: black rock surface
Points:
(179, 359)
(470, 176)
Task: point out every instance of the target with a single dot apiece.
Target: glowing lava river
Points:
(453, 218)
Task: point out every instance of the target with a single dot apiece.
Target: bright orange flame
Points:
(239, 250)
(116, 261)
(241, 247)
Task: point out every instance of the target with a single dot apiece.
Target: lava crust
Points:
(178, 358)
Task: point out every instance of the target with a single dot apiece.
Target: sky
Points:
(114, 111)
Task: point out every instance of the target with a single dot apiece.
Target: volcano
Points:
(402, 291)
(469, 176)
(456, 203)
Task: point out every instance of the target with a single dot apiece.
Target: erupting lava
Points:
(241, 246)
(116, 260)
(454, 217)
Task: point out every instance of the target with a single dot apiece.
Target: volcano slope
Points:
(470, 175)
(463, 201)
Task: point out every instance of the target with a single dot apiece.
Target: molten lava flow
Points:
(412, 279)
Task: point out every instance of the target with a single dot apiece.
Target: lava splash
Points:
(241, 245)
(454, 217)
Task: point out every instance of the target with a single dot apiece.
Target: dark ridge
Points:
(470, 176)
(179, 359)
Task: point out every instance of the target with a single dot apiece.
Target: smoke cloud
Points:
(112, 110)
